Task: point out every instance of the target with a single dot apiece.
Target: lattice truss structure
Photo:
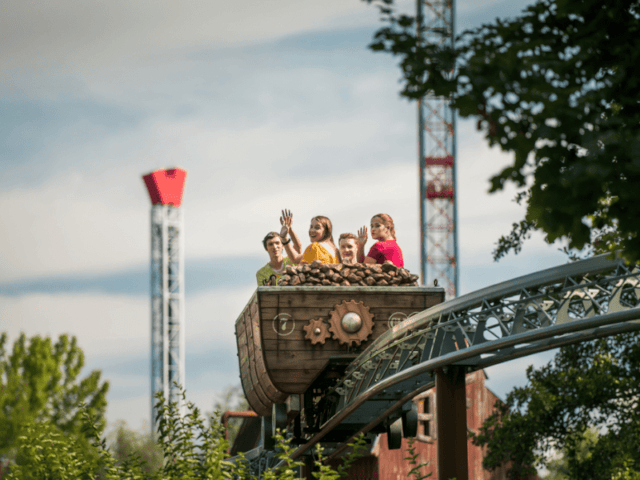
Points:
(559, 306)
(437, 145)
(167, 305)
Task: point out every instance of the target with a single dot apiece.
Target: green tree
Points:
(190, 451)
(127, 444)
(557, 88)
(39, 383)
(588, 386)
(558, 466)
(44, 452)
(230, 399)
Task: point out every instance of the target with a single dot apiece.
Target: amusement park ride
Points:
(165, 189)
(326, 363)
(330, 392)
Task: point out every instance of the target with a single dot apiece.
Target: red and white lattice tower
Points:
(165, 189)
(437, 159)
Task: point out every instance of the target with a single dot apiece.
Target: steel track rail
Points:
(460, 356)
(537, 312)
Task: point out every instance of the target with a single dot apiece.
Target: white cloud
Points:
(74, 224)
(114, 330)
(73, 39)
(105, 325)
(99, 221)
(115, 325)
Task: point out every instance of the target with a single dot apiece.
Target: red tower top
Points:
(166, 186)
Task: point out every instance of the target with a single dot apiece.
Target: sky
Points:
(267, 105)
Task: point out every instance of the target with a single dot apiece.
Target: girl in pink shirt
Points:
(386, 249)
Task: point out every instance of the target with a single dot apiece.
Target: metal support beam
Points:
(451, 420)
(437, 161)
(165, 189)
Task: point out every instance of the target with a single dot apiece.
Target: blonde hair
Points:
(347, 236)
(387, 221)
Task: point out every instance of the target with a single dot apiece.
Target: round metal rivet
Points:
(317, 331)
(351, 322)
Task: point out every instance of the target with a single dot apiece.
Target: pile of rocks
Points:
(338, 274)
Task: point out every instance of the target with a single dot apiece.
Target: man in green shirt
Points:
(273, 245)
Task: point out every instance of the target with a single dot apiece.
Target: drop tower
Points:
(165, 189)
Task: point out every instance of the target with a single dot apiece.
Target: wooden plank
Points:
(255, 354)
(252, 396)
(290, 299)
(255, 382)
(299, 333)
(330, 346)
(256, 361)
(253, 299)
(249, 352)
(273, 394)
(300, 387)
(264, 291)
(249, 385)
(243, 354)
(297, 381)
(296, 360)
(380, 314)
(329, 302)
(240, 326)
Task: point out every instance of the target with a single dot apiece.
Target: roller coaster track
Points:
(559, 306)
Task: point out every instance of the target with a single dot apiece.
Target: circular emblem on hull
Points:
(399, 317)
(396, 318)
(283, 324)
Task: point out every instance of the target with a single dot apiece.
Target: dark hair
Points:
(328, 232)
(327, 226)
(387, 221)
(269, 236)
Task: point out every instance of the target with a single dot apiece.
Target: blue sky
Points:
(267, 105)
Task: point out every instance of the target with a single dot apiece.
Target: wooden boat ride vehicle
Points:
(289, 336)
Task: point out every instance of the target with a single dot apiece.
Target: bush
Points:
(189, 451)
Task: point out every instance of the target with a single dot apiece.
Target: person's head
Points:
(382, 227)
(273, 244)
(320, 229)
(348, 244)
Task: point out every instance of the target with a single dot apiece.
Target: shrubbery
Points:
(190, 450)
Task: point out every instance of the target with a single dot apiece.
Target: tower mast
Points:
(165, 189)
(437, 160)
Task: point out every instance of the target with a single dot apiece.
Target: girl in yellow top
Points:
(320, 234)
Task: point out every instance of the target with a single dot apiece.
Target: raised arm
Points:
(295, 239)
(363, 235)
(293, 246)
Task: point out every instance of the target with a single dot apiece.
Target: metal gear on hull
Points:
(351, 323)
(317, 331)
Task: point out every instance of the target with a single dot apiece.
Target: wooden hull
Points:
(275, 358)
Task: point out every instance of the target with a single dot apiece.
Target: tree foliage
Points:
(126, 444)
(592, 385)
(44, 452)
(230, 399)
(39, 383)
(558, 466)
(189, 449)
(557, 88)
